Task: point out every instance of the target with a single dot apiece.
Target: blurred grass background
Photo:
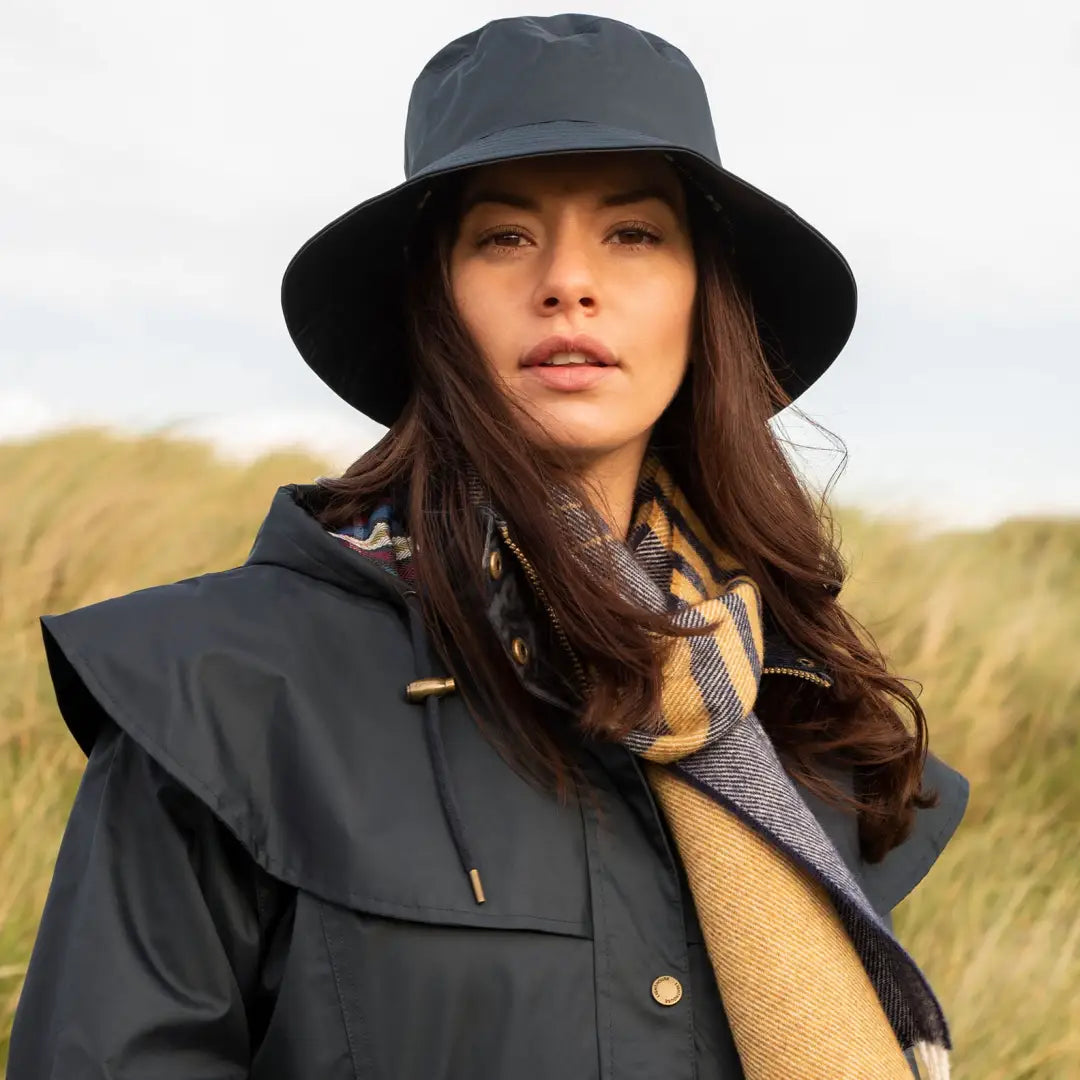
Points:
(987, 622)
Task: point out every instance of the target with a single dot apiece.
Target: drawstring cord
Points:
(429, 690)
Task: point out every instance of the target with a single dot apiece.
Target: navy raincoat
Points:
(262, 872)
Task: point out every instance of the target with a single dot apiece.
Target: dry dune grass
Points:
(986, 622)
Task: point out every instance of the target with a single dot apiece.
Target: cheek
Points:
(463, 289)
(662, 316)
(480, 307)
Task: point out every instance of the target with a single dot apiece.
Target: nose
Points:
(567, 281)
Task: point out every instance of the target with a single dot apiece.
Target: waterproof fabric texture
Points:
(258, 878)
(533, 85)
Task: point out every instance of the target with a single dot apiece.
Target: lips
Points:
(597, 352)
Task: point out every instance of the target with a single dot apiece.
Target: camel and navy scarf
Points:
(814, 983)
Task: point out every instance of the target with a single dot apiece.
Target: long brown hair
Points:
(716, 440)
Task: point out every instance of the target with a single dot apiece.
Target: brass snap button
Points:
(805, 661)
(495, 564)
(519, 650)
(667, 989)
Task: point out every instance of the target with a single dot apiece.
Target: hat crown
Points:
(538, 69)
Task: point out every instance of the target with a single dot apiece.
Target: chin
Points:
(591, 440)
(585, 427)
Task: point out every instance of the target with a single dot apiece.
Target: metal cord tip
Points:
(477, 887)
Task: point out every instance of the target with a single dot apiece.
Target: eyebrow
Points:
(523, 202)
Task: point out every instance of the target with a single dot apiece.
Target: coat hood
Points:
(291, 538)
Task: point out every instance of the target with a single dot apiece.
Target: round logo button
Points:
(667, 989)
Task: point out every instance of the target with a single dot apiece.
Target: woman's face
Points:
(579, 257)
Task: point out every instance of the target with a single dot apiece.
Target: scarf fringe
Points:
(933, 1061)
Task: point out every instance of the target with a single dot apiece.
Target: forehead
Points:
(573, 174)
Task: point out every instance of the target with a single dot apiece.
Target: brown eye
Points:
(507, 238)
(636, 236)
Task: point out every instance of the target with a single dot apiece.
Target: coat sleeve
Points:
(147, 957)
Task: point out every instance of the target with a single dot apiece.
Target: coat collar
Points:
(297, 540)
(532, 644)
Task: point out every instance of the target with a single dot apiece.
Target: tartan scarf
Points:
(813, 981)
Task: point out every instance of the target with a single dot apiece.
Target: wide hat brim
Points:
(342, 292)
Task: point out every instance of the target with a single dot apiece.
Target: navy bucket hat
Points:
(528, 86)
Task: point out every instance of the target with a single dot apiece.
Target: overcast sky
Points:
(162, 163)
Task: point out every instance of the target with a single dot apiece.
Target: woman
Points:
(537, 744)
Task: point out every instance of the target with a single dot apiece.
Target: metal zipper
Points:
(795, 671)
(579, 671)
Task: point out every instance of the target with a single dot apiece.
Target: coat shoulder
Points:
(260, 690)
(131, 652)
(889, 881)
